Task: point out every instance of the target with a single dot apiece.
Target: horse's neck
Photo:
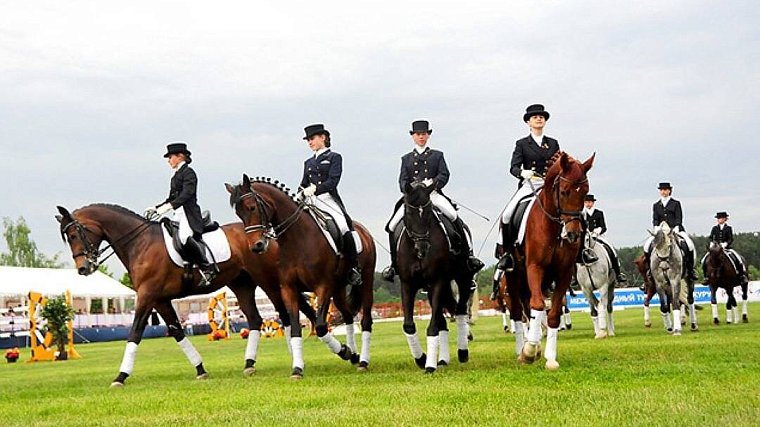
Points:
(293, 236)
(116, 226)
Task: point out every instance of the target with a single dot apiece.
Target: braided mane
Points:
(239, 190)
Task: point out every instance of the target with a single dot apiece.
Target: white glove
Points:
(166, 207)
(150, 213)
(310, 190)
(724, 244)
(597, 231)
(428, 182)
(526, 174)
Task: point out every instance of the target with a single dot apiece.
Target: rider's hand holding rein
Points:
(526, 174)
(309, 191)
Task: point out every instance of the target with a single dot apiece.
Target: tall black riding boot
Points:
(506, 262)
(197, 251)
(390, 271)
(351, 257)
(585, 255)
(688, 264)
(473, 263)
(619, 276)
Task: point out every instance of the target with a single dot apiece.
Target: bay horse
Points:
(139, 245)
(598, 276)
(665, 264)
(307, 262)
(649, 288)
(721, 273)
(425, 263)
(552, 241)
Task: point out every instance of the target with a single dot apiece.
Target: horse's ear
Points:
(563, 161)
(246, 180)
(589, 162)
(229, 187)
(64, 213)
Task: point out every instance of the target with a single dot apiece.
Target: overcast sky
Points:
(91, 93)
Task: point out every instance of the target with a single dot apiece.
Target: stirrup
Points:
(354, 277)
(621, 277)
(589, 257)
(388, 273)
(506, 262)
(474, 264)
(207, 277)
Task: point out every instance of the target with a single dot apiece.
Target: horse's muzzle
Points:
(260, 246)
(86, 268)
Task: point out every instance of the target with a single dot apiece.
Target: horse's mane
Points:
(113, 207)
(240, 190)
(554, 168)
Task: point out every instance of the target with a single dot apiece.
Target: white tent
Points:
(18, 281)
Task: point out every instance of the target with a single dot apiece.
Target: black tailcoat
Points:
(528, 155)
(324, 172)
(182, 192)
(720, 236)
(429, 164)
(595, 220)
(671, 213)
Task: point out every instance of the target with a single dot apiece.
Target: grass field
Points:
(640, 377)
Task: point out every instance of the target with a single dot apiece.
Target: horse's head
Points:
(714, 262)
(84, 237)
(255, 210)
(565, 187)
(418, 215)
(663, 243)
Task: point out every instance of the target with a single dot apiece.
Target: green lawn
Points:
(640, 377)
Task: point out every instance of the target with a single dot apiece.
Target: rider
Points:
(321, 175)
(594, 220)
(428, 166)
(529, 164)
(668, 209)
(183, 200)
(723, 234)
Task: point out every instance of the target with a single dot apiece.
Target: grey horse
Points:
(598, 276)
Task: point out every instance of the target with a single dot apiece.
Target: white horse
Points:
(665, 263)
(598, 276)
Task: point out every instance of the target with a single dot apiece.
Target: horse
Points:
(139, 245)
(270, 211)
(552, 242)
(598, 276)
(665, 264)
(721, 273)
(649, 288)
(425, 262)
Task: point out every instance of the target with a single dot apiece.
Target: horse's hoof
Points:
(117, 384)
(248, 372)
(429, 370)
(297, 374)
(569, 326)
(203, 376)
(443, 363)
(551, 365)
(647, 324)
(345, 352)
(470, 337)
(363, 366)
(677, 333)
(716, 321)
(694, 327)
(354, 358)
(744, 318)
(420, 361)
(463, 355)
(529, 353)
(610, 334)
(506, 328)
(669, 329)
(601, 335)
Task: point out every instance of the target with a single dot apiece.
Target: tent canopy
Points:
(55, 281)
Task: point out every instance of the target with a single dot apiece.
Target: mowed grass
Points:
(640, 377)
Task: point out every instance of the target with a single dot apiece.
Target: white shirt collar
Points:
(419, 149)
(538, 138)
(722, 225)
(664, 200)
(179, 165)
(589, 211)
(320, 151)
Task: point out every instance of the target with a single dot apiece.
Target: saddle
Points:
(172, 227)
(329, 227)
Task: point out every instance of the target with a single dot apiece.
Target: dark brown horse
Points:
(649, 288)
(139, 244)
(720, 273)
(425, 263)
(552, 241)
(307, 262)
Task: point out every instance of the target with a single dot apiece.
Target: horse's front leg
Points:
(410, 329)
(554, 318)
(461, 316)
(245, 293)
(142, 312)
(745, 298)
(531, 349)
(516, 308)
(290, 297)
(675, 304)
(167, 312)
(692, 308)
(665, 308)
(714, 303)
(434, 328)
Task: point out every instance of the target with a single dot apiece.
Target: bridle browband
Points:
(90, 252)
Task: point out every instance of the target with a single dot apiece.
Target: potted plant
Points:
(11, 355)
(58, 315)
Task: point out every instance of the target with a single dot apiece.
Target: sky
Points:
(91, 92)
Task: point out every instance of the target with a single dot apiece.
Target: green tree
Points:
(127, 281)
(105, 270)
(22, 251)
(58, 313)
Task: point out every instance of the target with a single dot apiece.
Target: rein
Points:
(575, 215)
(271, 231)
(417, 237)
(90, 252)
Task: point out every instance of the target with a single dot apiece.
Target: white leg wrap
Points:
(287, 340)
(595, 321)
(192, 354)
(414, 345)
(728, 316)
(744, 307)
(443, 339)
(714, 308)
(666, 320)
(512, 325)
(602, 310)
(463, 329)
(551, 344)
(692, 314)
(432, 352)
(128, 361)
(735, 312)
(646, 314)
(332, 343)
(676, 320)
(504, 320)
(519, 337)
(366, 338)
(611, 325)
(252, 347)
(568, 319)
(296, 343)
(350, 338)
(534, 331)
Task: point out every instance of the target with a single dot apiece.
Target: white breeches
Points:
(681, 234)
(521, 192)
(326, 202)
(184, 227)
(438, 201)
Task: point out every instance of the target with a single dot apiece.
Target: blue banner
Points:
(633, 297)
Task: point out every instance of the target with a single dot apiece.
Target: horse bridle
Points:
(417, 237)
(269, 230)
(92, 253)
(574, 215)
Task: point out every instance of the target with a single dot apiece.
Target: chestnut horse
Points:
(308, 262)
(425, 262)
(721, 273)
(552, 241)
(139, 245)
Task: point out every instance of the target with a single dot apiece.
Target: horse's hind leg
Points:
(435, 295)
(463, 326)
(167, 312)
(692, 308)
(444, 356)
(245, 293)
(348, 319)
(714, 304)
(745, 288)
(142, 312)
(323, 332)
(410, 329)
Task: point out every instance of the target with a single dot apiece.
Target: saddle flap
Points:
(327, 223)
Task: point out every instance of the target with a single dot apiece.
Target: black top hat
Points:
(420, 126)
(317, 129)
(721, 214)
(590, 198)
(177, 148)
(535, 110)
(664, 186)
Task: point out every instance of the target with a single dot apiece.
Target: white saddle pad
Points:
(331, 242)
(216, 241)
(524, 222)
